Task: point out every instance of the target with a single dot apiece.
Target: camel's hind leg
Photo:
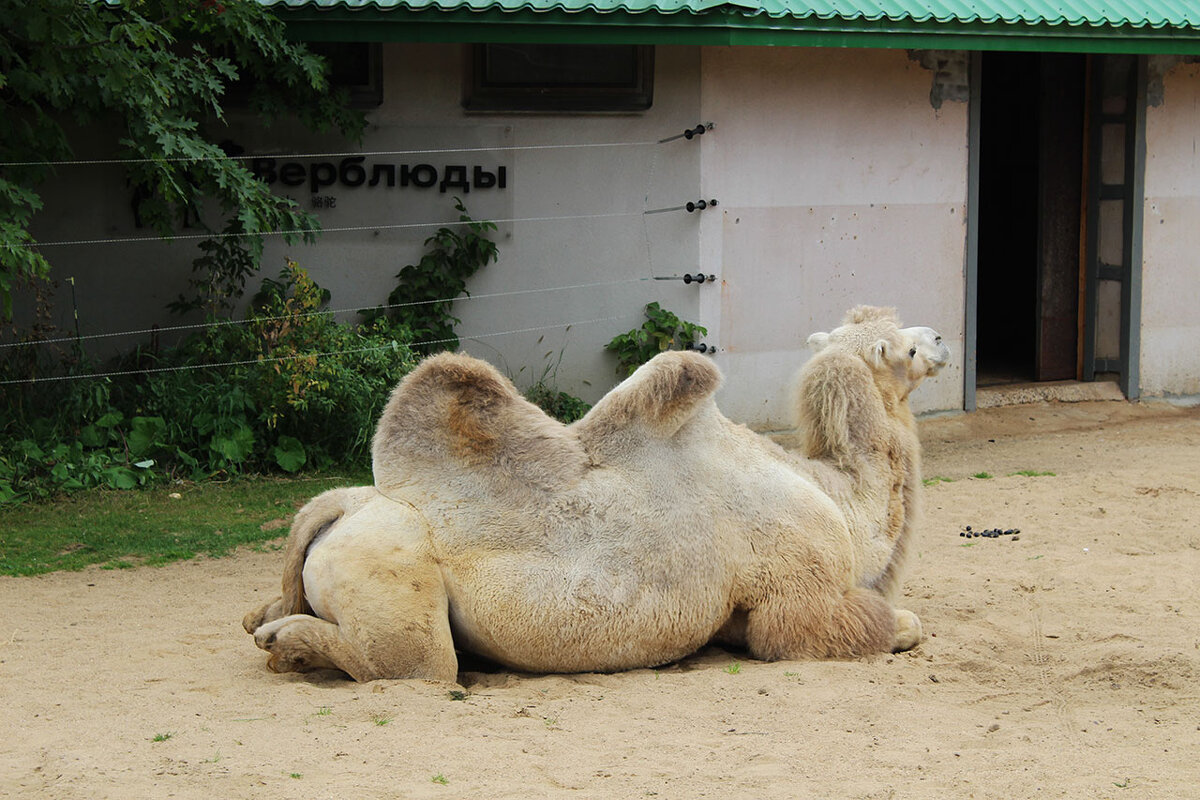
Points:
(391, 632)
(845, 624)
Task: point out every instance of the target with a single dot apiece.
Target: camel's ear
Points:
(817, 342)
(879, 353)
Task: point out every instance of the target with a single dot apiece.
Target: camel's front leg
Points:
(300, 643)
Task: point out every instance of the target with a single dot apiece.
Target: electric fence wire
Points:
(364, 153)
(215, 235)
(296, 356)
(303, 315)
(345, 229)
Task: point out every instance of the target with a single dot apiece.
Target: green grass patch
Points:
(123, 529)
(982, 475)
(936, 480)
(1032, 473)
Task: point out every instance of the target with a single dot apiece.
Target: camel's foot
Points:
(260, 616)
(292, 642)
(908, 631)
(301, 643)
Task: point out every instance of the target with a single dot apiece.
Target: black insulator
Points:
(696, 131)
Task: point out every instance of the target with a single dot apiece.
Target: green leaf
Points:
(289, 453)
(144, 434)
(235, 447)
(90, 436)
(120, 478)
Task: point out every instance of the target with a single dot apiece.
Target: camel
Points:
(628, 539)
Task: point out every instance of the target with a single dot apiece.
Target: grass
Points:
(440, 778)
(734, 668)
(982, 475)
(161, 737)
(123, 529)
(380, 720)
(936, 479)
(1032, 473)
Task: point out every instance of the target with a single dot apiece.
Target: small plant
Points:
(982, 475)
(161, 737)
(380, 720)
(546, 395)
(661, 331)
(734, 668)
(440, 778)
(936, 480)
(324, 711)
(458, 694)
(296, 775)
(1032, 473)
(425, 295)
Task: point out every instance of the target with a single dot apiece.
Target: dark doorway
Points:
(1030, 196)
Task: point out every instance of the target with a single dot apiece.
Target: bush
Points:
(290, 388)
(661, 331)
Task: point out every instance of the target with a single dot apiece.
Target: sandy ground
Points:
(1065, 663)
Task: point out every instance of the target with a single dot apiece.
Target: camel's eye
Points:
(938, 340)
(912, 353)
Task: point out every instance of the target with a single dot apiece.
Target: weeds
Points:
(1032, 473)
(982, 475)
(936, 480)
(161, 737)
(440, 778)
(734, 668)
(661, 331)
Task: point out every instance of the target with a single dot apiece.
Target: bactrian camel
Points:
(628, 539)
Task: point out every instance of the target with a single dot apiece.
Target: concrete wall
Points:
(1170, 357)
(840, 184)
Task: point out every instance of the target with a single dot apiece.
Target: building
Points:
(1022, 177)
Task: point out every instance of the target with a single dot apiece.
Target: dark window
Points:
(356, 67)
(560, 77)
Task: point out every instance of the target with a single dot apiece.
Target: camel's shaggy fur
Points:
(860, 437)
(628, 539)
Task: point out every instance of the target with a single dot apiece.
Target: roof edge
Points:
(724, 26)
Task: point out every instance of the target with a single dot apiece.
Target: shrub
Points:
(290, 388)
(661, 331)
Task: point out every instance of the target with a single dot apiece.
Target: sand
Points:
(1063, 663)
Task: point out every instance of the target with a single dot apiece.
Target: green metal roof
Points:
(1138, 26)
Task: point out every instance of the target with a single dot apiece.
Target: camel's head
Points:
(874, 334)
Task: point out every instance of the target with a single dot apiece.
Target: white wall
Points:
(1170, 357)
(839, 184)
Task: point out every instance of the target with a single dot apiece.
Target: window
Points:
(356, 67)
(560, 77)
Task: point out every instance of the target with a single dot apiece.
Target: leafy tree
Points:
(155, 72)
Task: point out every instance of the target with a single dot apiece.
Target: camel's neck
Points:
(867, 455)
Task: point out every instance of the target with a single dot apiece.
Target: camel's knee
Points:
(908, 631)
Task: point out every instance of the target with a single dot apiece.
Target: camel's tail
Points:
(314, 519)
